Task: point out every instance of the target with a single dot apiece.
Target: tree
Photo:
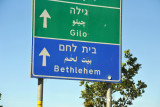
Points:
(95, 92)
(0, 99)
(0, 96)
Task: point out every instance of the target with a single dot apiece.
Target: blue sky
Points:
(140, 34)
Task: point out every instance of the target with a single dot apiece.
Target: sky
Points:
(140, 34)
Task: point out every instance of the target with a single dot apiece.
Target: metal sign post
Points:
(109, 95)
(40, 93)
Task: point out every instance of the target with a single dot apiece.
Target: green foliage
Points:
(95, 92)
(0, 99)
(0, 96)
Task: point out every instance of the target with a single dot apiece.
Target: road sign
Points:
(76, 39)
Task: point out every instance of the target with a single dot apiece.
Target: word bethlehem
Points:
(76, 70)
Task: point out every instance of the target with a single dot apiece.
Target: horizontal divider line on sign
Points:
(76, 40)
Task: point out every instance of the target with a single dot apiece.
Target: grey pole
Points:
(40, 92)
(109, 95)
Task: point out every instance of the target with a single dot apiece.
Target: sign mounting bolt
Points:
(109, 77)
